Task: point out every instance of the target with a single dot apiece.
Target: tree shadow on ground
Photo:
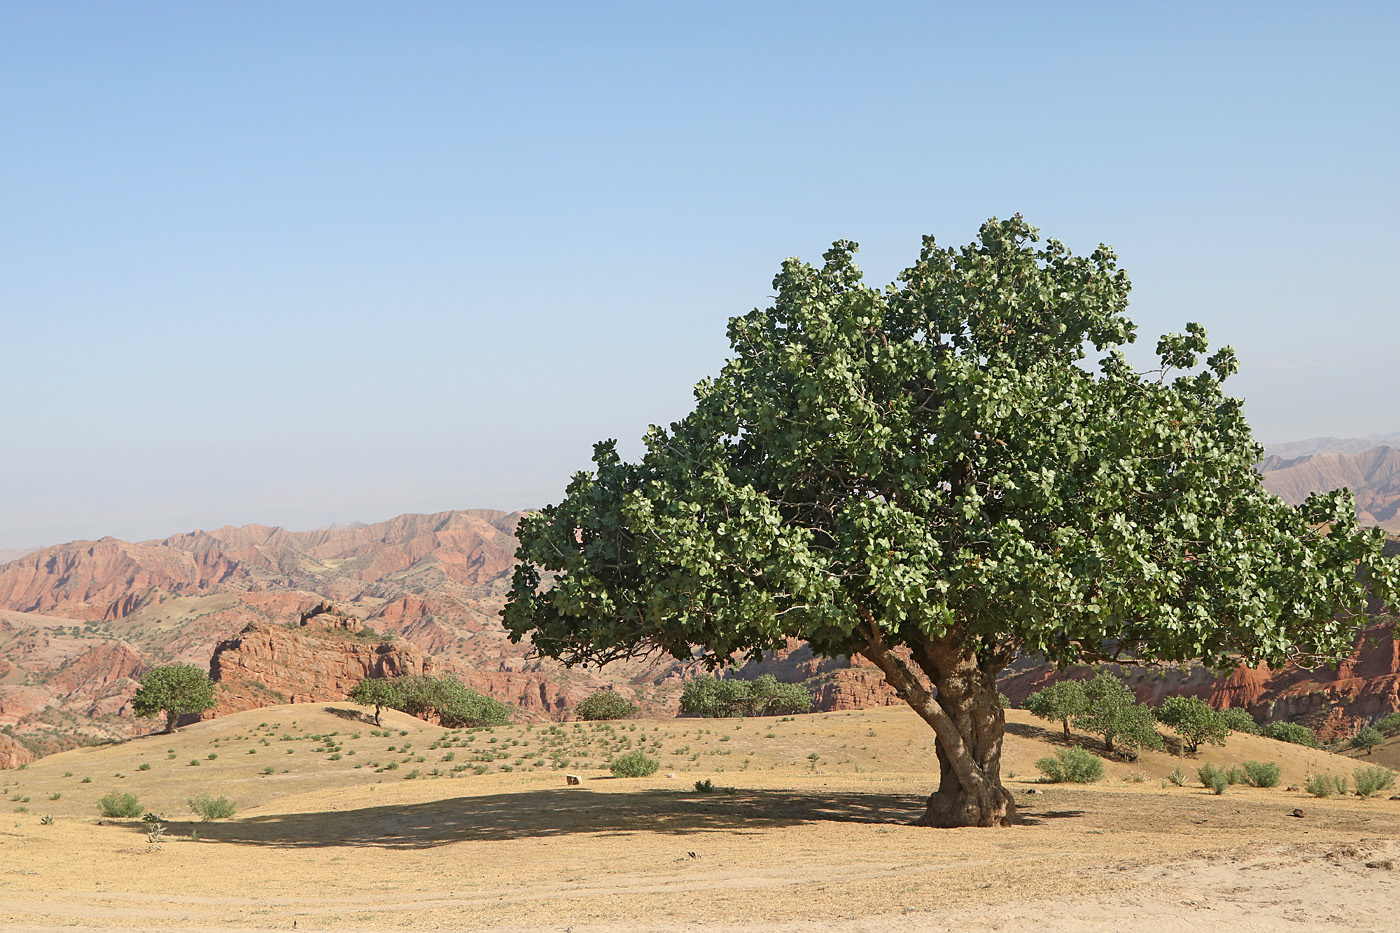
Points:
(353, 715)
(554, 812)
(557, 812)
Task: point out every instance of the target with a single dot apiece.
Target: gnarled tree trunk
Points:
(957, 696)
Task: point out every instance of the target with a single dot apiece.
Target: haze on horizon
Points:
(326, 263)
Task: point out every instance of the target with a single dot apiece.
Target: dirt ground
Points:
(805, 845)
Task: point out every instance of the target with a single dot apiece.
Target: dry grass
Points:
(784, 840)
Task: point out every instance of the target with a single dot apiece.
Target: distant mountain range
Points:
(1331, 445)
(1372, 475)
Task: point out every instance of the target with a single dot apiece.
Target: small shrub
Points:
(144, 766)
(634, 764)
(119, 806)
(1263, 773)
(411, 775)
(705, 787)
(1373, 779)
(1071, 765)
(212, 755)
(1135, 777)
(86, 780)
(211, 808)
(55, 796)
(268, 770)
(46, 819)
(1177, 777)
(150, 817)
(194, 763)
(1325, 785)
(1213, 778)
(1236, 775)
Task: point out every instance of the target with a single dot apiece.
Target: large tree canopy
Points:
(935, 477)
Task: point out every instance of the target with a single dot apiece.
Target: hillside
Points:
(1372, 475)
(79, 622)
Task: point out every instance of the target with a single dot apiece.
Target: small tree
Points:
(605, 704)
(709, 696)
(377, 692)
(1367, 738)
(1194, 720)
(175, 689)
(1060, 702)
(1389, 725)
(455, 705)
(1113, 712)
(768, 697)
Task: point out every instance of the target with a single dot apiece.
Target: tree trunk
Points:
(957, 696)
(171, 717)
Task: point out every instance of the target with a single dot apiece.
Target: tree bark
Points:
(957, 696)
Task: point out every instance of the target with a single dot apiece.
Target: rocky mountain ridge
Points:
(1373, 476)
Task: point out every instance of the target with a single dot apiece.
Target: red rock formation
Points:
(320, 661)
(1334, 702)
(13, 753)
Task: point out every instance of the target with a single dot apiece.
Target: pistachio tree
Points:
(174, 689)
(938, 476)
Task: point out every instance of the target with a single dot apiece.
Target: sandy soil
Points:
(800, 845)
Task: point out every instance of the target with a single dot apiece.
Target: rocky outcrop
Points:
(267, 664)
(13, 753)
(328, 653)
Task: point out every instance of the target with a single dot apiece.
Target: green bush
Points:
(1325, 785)
(1177, 777)
(1213, 778)
(635, 763)
(1263, 773)
(1237, 719)
(1293, 732)
(211, 808)
(1236, 775)
(1373, 779)
(605, 704)
(119, 806)
(1072, 766)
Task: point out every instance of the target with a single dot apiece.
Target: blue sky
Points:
(305, 263)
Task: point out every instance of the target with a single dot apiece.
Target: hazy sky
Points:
(304, 263)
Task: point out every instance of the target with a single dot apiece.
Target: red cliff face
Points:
(322, 659)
